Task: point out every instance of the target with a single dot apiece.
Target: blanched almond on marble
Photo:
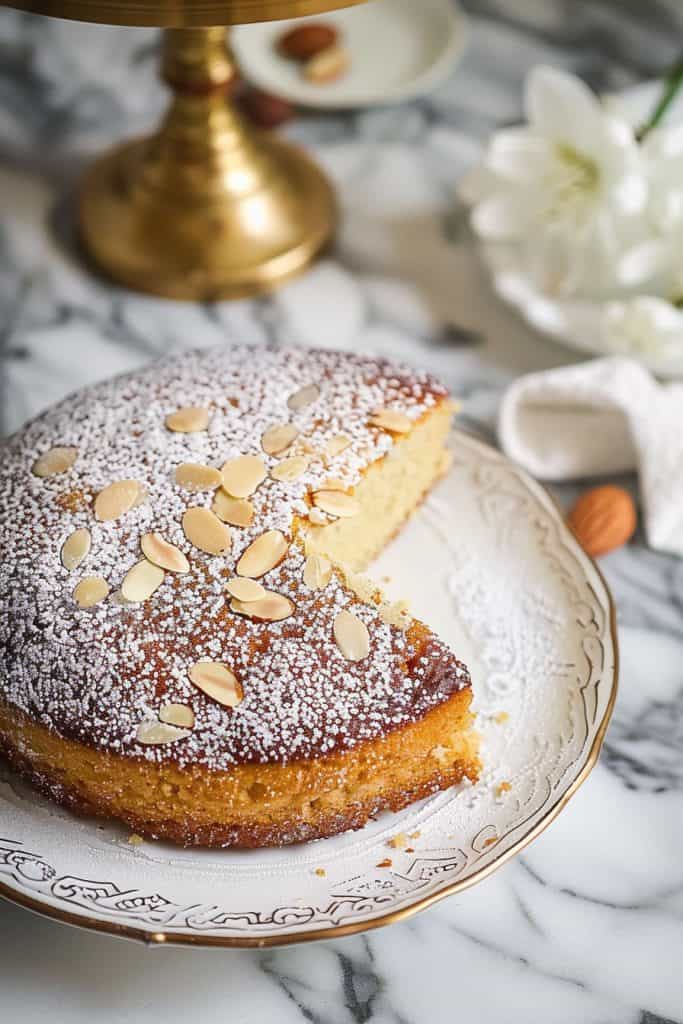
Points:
(317, 571)
(217, 681)
(278, 438)
(303, 397)
(75, 548)
(193, 476)
(236, 511)
(270, 608)
(353, 639)
(336, 503)
(245, 589)
(163, 554)
(90, 591)
(241, 476)
(177, 714)
(392, 420)
(291, 468)
(141, 581)
(154, 734)
(188, 420)
(56, 460)
(205, 530)
(337, 444)
(116, 499)
(263, 554)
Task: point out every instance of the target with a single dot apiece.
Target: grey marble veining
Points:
(587, 924)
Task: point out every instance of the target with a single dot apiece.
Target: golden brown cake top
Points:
(154, 601)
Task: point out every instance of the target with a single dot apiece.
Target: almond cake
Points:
(185, 645)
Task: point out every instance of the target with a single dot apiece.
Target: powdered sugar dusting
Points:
(96, 674)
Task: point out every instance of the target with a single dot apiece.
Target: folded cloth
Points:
(601, 417)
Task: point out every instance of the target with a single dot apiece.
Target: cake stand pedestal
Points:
(206, 208)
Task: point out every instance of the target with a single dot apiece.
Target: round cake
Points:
(185, 644)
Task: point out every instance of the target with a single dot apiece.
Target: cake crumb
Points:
(414, 835)
(500, 717)
(320, 872)
(386, 863)
(135, 839)
(410, 849)
(399, 841)
(503, 787)
(490, 840)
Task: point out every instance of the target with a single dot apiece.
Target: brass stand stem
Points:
(206, 208)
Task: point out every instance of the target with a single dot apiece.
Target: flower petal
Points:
(502, 217)
(517, 155)
(561, 107)
(643, 262)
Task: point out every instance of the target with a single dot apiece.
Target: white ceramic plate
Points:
(489, 563)
(399, 49)
(578, 322)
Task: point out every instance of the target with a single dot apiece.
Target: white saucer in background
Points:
(399, 49)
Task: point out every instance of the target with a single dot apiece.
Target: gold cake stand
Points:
(207, 207)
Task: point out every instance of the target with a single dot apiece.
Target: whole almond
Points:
(603, 519)
(327, 65)
(265, 109)
(305, 41)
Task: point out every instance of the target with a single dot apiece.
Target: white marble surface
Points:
(586, 927)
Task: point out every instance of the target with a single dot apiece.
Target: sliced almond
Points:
(241, 476)
(193, 476)
(155, 733)
(278, 438)
(75, 548)
(188, 420)
(142, 498)
(217, 681)
(333, 484)
(317, 571)
(337, 444)
(245, 589)
(352, 636)
(290, 469)
(141, 581)
(56, 460)
(336, 503)
(236, 511)
(163, 554)
(177, 714)
(116, 499)
(205, 530)
(271, 608)
(317, 518)
(303, 397)
(393, 420)
(91, 591)
(263, 554)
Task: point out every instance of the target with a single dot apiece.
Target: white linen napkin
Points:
(600, 417)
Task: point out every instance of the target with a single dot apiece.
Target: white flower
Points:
(645, 324)
(570, 185)
(657, 260)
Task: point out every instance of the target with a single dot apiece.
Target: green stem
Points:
(670, 88)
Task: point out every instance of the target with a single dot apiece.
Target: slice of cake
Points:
(184, 644)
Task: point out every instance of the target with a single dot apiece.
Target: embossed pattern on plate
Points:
(489, 563)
